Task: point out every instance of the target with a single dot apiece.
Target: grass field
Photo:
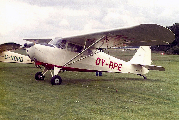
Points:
(81, 96)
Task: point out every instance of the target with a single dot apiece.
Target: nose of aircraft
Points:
(30, 50)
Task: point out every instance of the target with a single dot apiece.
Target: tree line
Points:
(172, 48)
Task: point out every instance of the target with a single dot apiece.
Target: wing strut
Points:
(84, 51)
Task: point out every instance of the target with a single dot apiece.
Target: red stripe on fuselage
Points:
(51, 67)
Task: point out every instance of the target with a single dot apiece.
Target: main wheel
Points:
(56, 80)
(39, 76)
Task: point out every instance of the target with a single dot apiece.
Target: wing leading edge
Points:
(39, 40)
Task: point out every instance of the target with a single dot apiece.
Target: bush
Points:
(174, 50)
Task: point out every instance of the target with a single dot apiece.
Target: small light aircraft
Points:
(83, 53)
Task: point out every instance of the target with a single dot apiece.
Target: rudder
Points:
(142, 56)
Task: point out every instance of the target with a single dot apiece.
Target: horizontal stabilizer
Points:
(154, 67)
(12, 57)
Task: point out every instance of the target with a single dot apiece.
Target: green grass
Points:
(84, 96)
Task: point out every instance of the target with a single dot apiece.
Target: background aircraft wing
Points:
(9, 46)
(141, 35)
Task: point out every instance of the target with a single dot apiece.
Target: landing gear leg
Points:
(56, 80)
(41, 75)
(142, 76)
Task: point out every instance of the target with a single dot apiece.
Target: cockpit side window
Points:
(70, 47)
(74, 48)
(78, 48)
(62, 44)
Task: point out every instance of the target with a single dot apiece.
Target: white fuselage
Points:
(99, 61)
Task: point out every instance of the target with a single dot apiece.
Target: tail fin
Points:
(142, 56)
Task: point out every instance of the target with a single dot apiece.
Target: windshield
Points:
(64, 44)
(54, 41)
(58, 42)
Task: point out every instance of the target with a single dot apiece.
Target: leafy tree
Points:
(172, 48)
(175, 30)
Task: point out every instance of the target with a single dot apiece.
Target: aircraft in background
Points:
(8, 56)
(83, 53)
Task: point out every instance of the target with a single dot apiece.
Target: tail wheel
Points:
(142, 76)
(39, 76)
(56, 80)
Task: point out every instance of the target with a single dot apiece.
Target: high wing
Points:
(141, 35)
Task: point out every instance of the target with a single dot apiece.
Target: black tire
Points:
(39, 76)
(56, 80)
